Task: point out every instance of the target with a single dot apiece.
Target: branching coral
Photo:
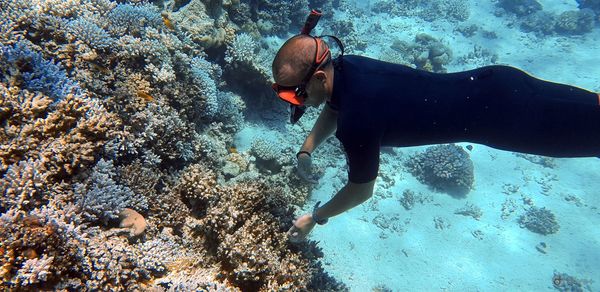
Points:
(244, 233)
(158, 128)
(90, 33)
(195, 19)
(102, 198)
(21, 66)
(539, 220)
(64, 137)
(36, 248)
(268, 155)
(129, 19)
(22, 187)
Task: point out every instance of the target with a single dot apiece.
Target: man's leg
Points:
(534, 116)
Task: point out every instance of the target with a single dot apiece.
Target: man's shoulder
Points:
(357, 63)
(357, 59)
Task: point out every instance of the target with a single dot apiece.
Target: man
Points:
(370, 104)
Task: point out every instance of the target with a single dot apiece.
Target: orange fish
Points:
(147, 97)
(168, 23)
(233, 150)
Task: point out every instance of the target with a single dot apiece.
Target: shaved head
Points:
(294, 59)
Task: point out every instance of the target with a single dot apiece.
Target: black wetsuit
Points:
(385, 104)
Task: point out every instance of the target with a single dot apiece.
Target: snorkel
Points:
(295, 95)
(297, 111)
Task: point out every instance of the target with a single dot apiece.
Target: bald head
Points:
(294, 59)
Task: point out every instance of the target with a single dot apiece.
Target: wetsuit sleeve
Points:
(363, 161)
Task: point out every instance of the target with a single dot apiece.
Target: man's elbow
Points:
(361, 191)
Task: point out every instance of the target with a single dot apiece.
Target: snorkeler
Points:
(370, 104)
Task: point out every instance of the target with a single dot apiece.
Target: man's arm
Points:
(324, 127)
(349, 196)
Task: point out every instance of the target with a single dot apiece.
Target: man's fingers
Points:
(307, 177)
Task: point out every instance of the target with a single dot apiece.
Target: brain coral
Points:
(444, 167)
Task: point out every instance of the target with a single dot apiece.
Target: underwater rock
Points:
(541, 247)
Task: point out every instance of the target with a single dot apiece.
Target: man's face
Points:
(297, 85)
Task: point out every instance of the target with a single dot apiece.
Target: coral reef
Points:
(35, 250)
(444, 167)
(539, 220)
(44, 142)
(451, 10)
(20, 66)
(576, 22)
(268, 155)
(241, 225)
(113, 114)
(101, 198)
(520, 7)
(425, 53)
(533, 18)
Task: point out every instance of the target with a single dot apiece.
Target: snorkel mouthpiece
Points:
(296, 112)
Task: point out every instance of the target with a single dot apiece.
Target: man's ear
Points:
(320, 75)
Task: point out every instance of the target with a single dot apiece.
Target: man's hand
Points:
(305, 168)
(301, 228)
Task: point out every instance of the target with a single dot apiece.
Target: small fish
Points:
(469, 147)
(168, 23)
(232, 149)
(147, 97)
(30, 253)
(99, 67)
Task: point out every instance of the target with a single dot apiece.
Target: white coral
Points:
(35, 270)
